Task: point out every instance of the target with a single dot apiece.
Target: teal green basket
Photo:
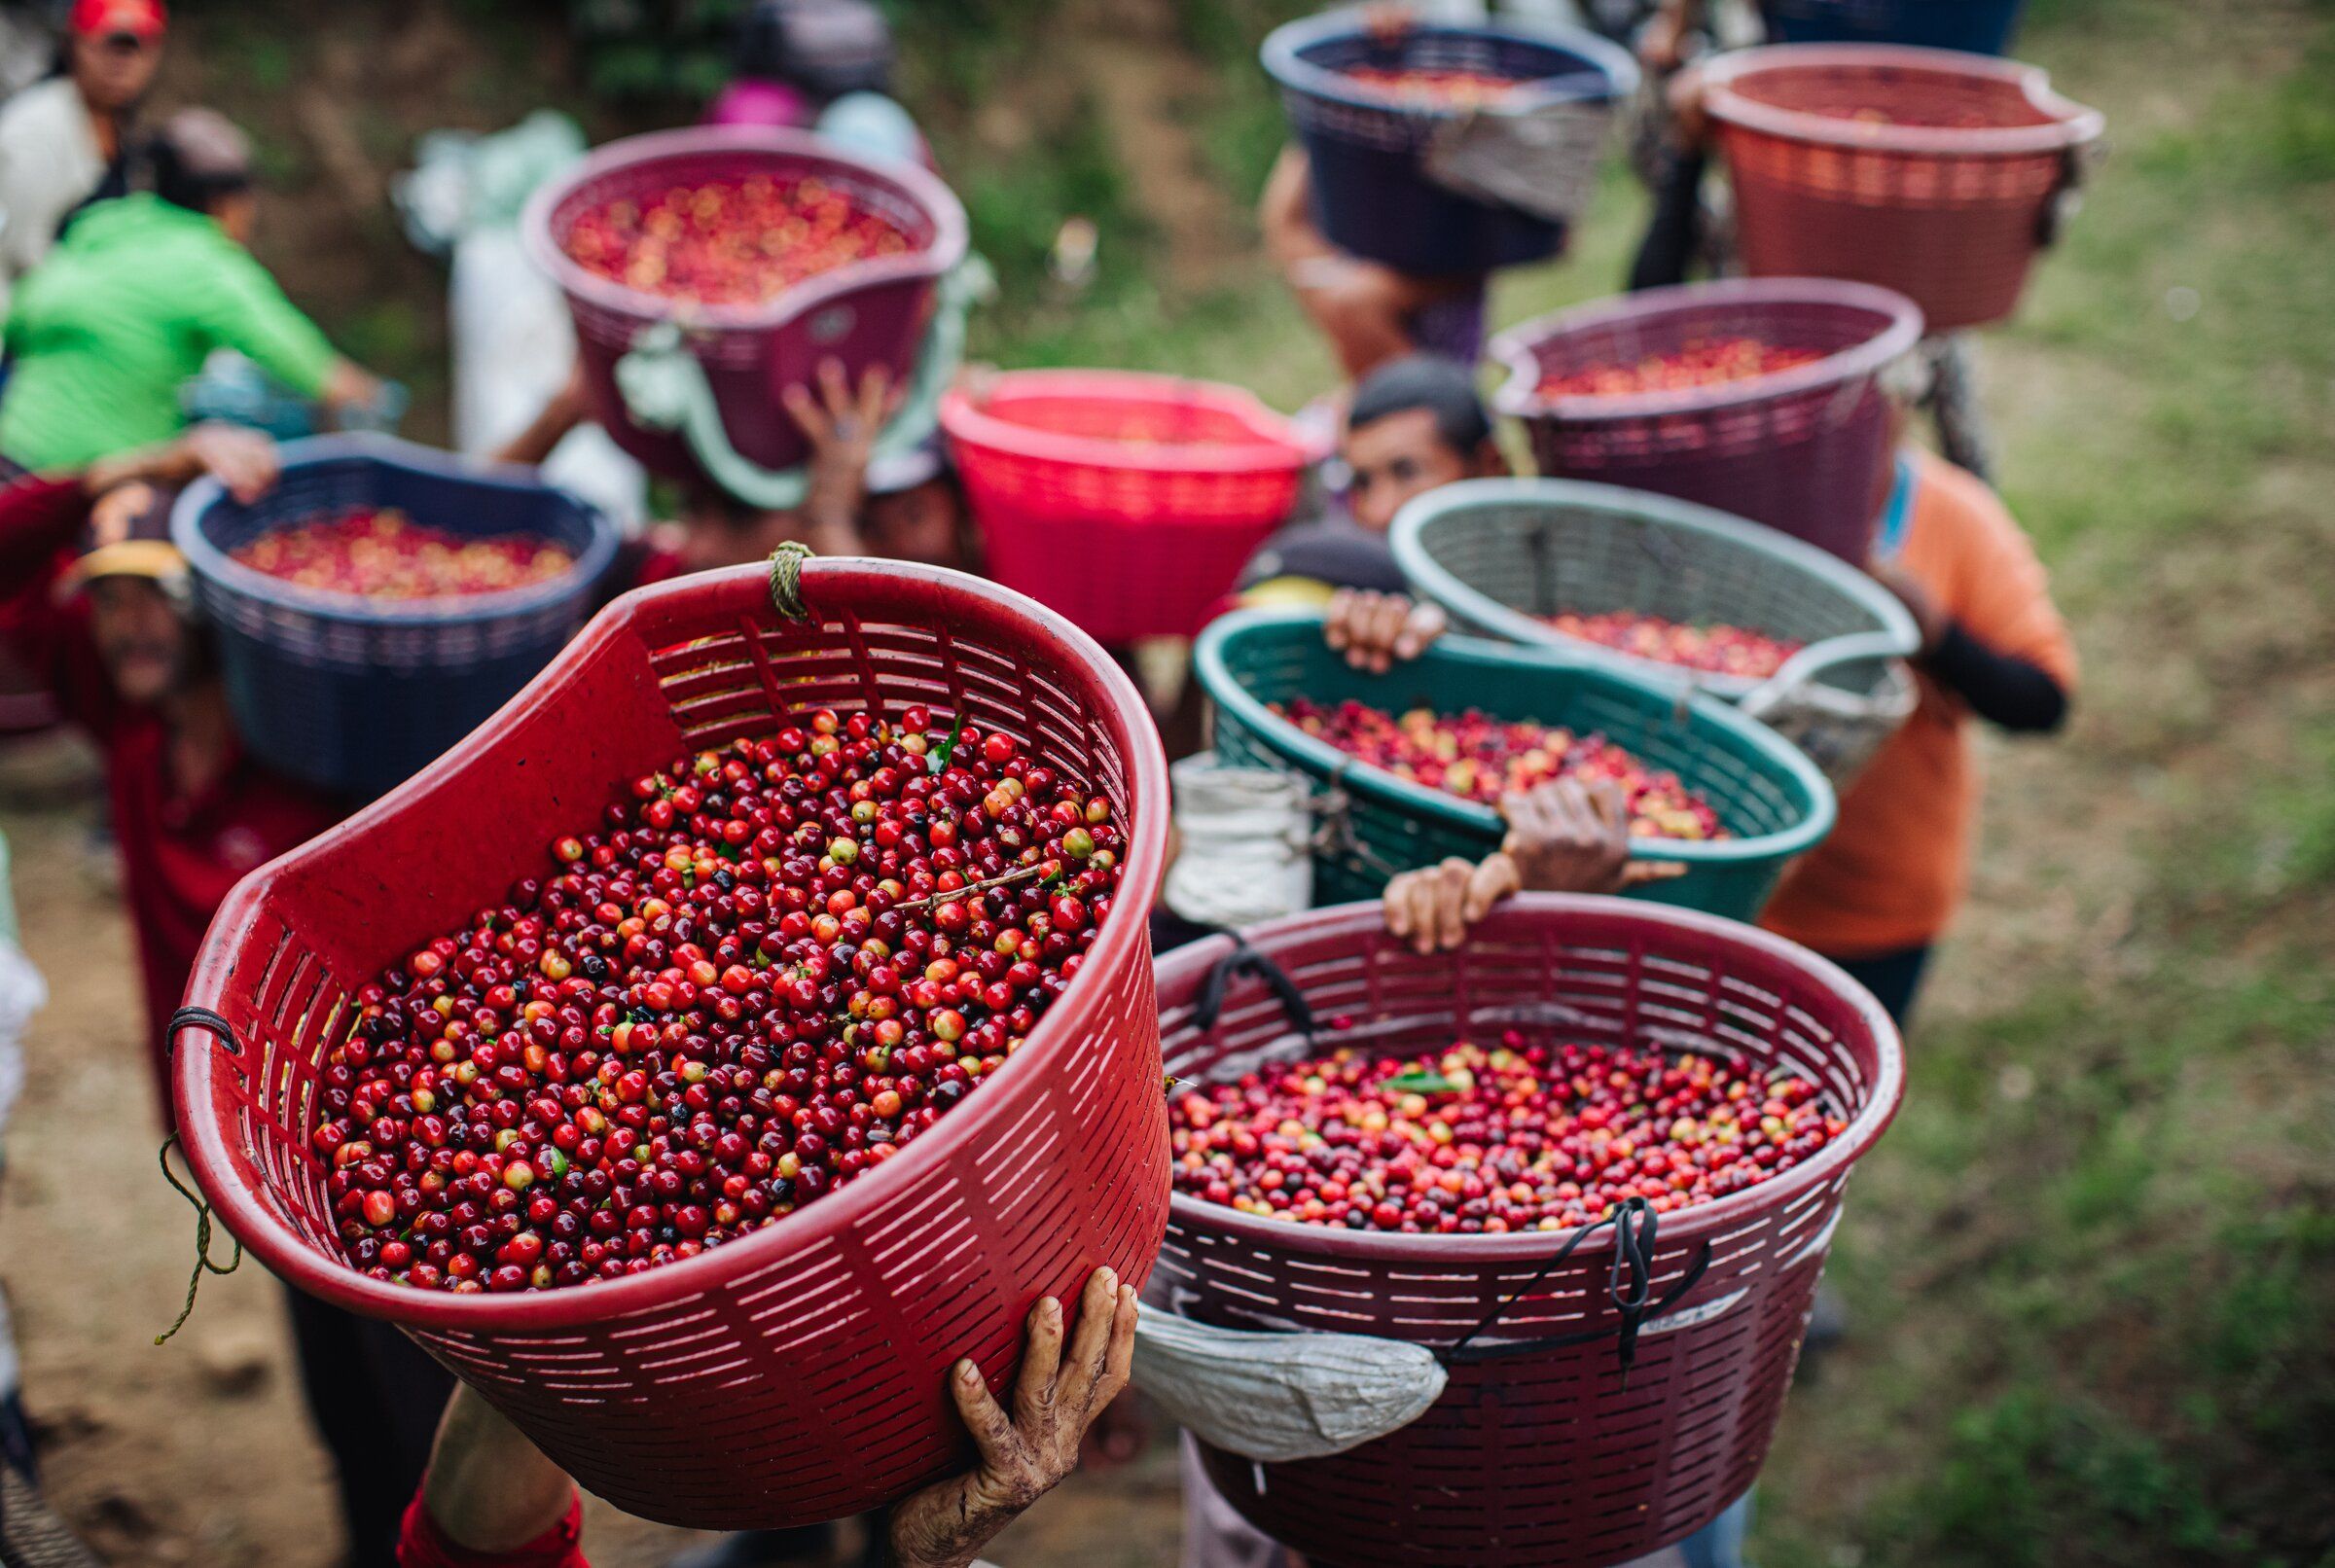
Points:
(1770, 797)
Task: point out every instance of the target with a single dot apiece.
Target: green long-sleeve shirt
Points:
(125, 310)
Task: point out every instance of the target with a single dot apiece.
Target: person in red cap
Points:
(63, 141)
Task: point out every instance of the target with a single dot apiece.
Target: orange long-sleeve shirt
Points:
(1895, 866)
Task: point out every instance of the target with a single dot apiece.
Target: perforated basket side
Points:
(1503, 556)
(1554, 1460)
(795, 1374)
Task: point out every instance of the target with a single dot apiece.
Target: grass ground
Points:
(2092, 1268)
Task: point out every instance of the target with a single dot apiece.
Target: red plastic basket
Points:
(869, 312)
(1552, 1459)
(1802, 450)
(1947, 206)
(1129, 537)
(796, 1374)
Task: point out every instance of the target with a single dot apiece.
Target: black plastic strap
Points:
(1630, 1288)
(200, 1018)
(786, 578)
(1245, 961)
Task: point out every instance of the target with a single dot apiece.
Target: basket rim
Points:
(190, 512)
(2071, 124)
(1531, 912)
(1283, 56)
(1520, 396)
(1280, 446)
(867, 583)
(1437, 582)
(951, 238)
(1511, 661)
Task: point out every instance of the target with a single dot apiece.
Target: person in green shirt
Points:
(137, 294)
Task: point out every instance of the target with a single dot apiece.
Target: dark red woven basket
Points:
(863, 314)
(1129, 538)
(796, 1374)
(1947, 206)
(1802, 450)
(1548, 1460)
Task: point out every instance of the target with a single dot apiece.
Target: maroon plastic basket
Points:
(863, 314)
(1552, 1459)
(1947, 202)
(1127, 502)
(1802, 450)
(796, 1374)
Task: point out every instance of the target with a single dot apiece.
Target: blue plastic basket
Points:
(1973, 27)
(356, 695)
(1371, 193)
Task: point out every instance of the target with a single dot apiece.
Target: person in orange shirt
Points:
(1876, 895)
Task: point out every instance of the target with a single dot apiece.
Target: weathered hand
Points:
(1025, 1453)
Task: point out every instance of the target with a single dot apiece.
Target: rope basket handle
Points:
(197, 1018)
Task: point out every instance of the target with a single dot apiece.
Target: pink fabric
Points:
(749, 102)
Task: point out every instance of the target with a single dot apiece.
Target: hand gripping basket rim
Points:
(207, 560)
(1279, 446)
(1519, 395)
(1360, 777)
(1176, 969)
(950, 240)
(1437, 582)
(2071, 124)
(1616, 68)
(300, 1264)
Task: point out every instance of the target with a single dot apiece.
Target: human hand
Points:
(1023, 1454)
(1662, 42)
(1929, 617)
(841, 421)
(1376, 632)
(1433, 907)
(1388, 22)
(1566, 837)
(244, 461)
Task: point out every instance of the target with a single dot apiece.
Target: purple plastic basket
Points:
(863, 314)
(1802, 451)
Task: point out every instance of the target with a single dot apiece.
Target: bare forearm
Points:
(489, 1487)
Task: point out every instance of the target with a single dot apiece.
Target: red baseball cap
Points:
(108, 18)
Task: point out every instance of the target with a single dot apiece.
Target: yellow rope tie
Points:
(786, 579)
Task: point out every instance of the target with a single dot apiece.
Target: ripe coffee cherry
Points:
(681, 1031)
(1712, 362)
(1480, 758)
(731, 241)
(1422, 84)
(1721, 650)
(384, 555)
(1525, 1136)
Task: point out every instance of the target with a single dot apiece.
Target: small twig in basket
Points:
(1019, 873)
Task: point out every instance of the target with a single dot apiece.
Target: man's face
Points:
(1397, 457)
(115, 70)
(140, 637)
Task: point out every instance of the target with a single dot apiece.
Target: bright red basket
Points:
(1127, 502)
(1947, 202)
(796, 1374)
(862, 313)
(1552, 1459)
